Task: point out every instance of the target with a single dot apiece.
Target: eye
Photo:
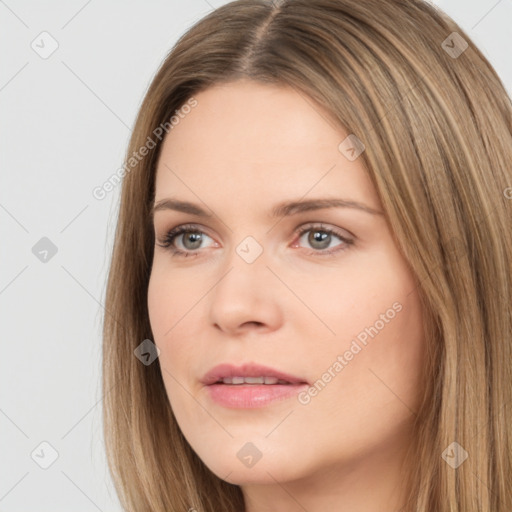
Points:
(191, 240)
(192, 237)
(320, 239)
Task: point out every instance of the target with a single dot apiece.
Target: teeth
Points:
(253, 380)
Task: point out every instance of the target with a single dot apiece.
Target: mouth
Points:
(254, 381)
(249, 374)
(250, 386)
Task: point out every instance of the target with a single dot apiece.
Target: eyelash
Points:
(167, 242)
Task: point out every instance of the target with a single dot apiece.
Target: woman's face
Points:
(339, 311)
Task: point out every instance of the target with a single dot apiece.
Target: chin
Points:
(241, 464)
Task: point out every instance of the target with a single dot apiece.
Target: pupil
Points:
(194, 238)
(319, 236)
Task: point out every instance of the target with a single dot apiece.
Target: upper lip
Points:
(220, 371)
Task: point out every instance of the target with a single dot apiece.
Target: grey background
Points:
(65, 126)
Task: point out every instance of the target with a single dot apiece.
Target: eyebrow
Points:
(285, 209)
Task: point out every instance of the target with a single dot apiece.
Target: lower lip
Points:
(250, 396)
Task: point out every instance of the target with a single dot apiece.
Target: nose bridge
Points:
(249, 250)
(245, 294)
(247, 264)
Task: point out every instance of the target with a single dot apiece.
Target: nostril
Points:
(255, 324)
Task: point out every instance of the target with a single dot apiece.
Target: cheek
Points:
(345, 302)
(377, 319)
(162, 308)
(377, 360)
(165, 310)
(158, 304)
(173, 308)
(170, 297)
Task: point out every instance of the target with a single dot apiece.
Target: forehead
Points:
(245, 136)
(252, 119)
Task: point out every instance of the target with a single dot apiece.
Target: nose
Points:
(247, 296)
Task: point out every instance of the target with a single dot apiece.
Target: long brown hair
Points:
(436, 123)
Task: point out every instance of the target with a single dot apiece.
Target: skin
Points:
(244, 148)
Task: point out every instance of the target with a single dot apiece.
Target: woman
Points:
(310, 289)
